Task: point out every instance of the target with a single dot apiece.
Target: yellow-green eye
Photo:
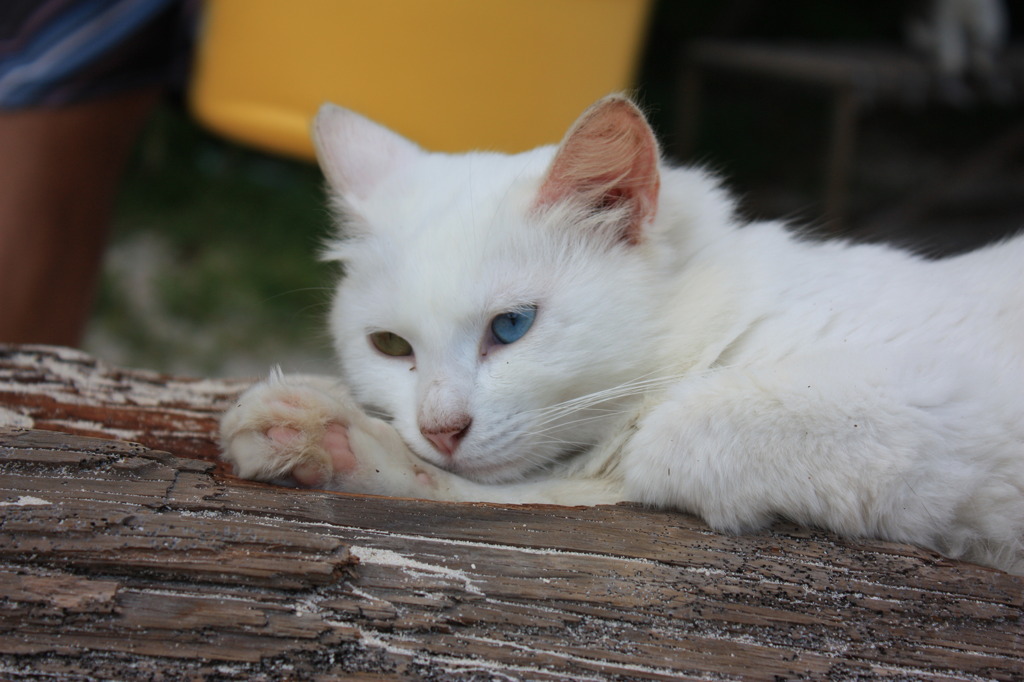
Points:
(391, 344)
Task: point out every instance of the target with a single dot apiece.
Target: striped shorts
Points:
(60, 52)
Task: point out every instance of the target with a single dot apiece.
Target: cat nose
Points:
(446, 437)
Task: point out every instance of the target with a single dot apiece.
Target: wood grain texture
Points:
(122, 560)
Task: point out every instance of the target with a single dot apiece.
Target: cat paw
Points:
(307, 432)
(311, 472)
(289, 432)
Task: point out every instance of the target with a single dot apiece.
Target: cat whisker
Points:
(555, 416)
(591, 400)
(580, 420)
(300, 290)
(584, 402)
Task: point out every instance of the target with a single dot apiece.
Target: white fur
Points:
(732, 371)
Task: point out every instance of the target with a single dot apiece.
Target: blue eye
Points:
(510, 327)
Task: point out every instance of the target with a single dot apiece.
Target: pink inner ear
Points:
(608, 158)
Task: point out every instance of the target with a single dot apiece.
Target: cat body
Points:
(586, 325)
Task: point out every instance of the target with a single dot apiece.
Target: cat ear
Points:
(355, 153)
(609, 158)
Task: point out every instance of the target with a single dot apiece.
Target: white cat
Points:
(587, 325)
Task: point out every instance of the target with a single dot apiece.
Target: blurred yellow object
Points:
(452, 75)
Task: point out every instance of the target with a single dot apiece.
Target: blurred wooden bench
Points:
(855, 77)
(126, 552)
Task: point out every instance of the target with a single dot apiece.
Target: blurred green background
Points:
(213, 268)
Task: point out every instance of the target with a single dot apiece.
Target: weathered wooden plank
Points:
(258, 572)
(62, 389)
(117, 560)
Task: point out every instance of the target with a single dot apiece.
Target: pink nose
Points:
(446, 438)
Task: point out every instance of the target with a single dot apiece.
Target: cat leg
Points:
(307, 431)
(836, 443)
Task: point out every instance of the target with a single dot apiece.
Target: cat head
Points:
(496, 308)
